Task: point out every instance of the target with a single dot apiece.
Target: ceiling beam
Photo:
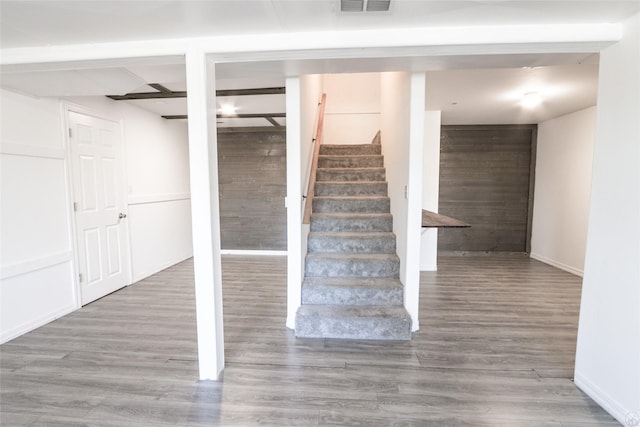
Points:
(272, 121)
(163, 92)
(268, 116)
(160, 88)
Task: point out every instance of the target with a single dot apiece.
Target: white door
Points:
(99, 205)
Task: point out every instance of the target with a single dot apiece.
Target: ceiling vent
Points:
(364, 5)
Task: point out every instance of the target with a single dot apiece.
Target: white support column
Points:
(430, 188)
(205, 213)
(294, 197)
(414, 197)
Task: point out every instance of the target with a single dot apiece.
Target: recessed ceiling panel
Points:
(84, 82)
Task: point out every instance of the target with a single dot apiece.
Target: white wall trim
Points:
(143, 199)
(252, 252)
(294, 204)
(557, 264)
(35, 323)
(16, 149)
(32, 265)
(458, 40)
(618, 411)
(141, 276)
(414, 198)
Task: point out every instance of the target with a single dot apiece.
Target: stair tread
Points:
(349, 255)
(342, 215)
(368, 282)
(366, 196)
(354, 311)
(352, 234)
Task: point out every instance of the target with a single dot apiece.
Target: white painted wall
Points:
(402, 132)
(36, 260)
(563, 187)
(352, 115)
(37, 247)
(608, 350)
(157, 169)
(430, 188)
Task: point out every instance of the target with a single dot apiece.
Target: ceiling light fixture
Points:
(531, 100)
(228, 109)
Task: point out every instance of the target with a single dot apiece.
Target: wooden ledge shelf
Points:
(435, 220)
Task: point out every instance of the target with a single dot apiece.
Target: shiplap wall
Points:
(252, 177)
(484, 180)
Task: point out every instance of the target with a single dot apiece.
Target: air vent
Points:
(364, 5)
(351, 5)
(378, 5)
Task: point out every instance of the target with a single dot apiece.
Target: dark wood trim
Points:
(160, 88)
(235, 116)
(246, 129)
(163, 92)
(273, 122)
(148, 95)
(255, 91)
(251, 115)
(436, 220)
(308, 203)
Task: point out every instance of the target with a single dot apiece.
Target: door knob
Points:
(122, 215)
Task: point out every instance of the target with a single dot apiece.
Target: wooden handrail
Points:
(306, 218)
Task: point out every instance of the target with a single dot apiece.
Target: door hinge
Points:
(80, 277)
(75, 206)
(69, 132)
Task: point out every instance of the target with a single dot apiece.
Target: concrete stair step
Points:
(349, 222)
(351, 204)
(351, 161)
(358, 149)
(354, 242)
(352, 291)
(353, 322)
(350, 174)
(352, 265)
(348, 188)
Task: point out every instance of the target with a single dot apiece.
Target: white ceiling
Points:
(485, 89)
(45, 23)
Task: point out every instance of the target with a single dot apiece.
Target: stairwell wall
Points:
(402, 130)
(352, 114)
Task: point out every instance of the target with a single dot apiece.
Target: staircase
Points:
(351, 287)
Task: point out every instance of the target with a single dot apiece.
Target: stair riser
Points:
(346, 174)
(388, 328)
(364, 244)
(350, 189)
(350, 161)
(346, 295)
(345, 150)
(382, 223)
(348, 267)
(355, 205)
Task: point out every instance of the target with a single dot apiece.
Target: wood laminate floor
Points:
(495, 348)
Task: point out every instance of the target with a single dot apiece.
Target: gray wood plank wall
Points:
(252, 174)
(484, 181)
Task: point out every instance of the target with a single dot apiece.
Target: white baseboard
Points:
(619, 412)
(428, 267)
(252, 252)
(35, 323)
(557, 264)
